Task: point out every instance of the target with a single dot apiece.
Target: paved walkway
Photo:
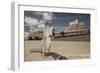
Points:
(68, 49)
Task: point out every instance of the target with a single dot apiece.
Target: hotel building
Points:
(76, 28)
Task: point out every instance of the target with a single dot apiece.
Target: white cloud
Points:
(31, 21)
(41, 24)
(47, 16)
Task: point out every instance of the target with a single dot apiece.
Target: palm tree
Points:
(53, 32)
(62, 33)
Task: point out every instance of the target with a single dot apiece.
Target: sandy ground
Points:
(68, 49)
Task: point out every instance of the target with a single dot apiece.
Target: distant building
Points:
(76, 28)
(26, 35)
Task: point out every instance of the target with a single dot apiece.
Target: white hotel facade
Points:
(76, 28)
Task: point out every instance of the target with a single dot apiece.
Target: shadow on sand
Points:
(54, 55)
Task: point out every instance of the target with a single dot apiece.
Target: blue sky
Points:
(60, 20)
